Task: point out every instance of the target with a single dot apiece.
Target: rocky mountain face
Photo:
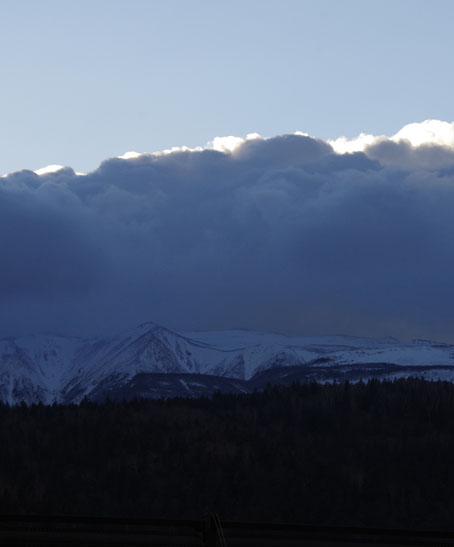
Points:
(153, 361)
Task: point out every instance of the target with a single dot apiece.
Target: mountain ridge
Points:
(65, 369)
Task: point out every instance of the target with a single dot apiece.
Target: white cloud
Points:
(49, 169)
(226, 144)
(343, 145)
(130, 155)
(230, 144)
(428, 132)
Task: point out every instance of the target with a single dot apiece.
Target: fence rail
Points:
(51, 531)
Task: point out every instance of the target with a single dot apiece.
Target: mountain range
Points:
(152, 361)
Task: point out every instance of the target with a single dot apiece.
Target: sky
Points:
(84, 81)
(293, 167)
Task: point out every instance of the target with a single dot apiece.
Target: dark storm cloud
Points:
(281, 234)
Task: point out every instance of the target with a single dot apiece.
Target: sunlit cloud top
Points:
(49, 169)
(428, 132)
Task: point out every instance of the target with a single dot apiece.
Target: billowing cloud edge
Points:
(419, 134)
(426, 133)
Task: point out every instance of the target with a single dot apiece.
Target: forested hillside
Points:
(375, 454)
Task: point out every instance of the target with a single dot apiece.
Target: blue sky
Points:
(84, 81)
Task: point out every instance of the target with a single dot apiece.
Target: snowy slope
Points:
(33, 368)
(64, 369)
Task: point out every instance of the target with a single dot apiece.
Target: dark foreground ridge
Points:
(169, 385)
(362, 455)
(209, 532)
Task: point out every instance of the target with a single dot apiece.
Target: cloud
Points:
(49, 169)
(415, 139)
(279, 233)
(429, 132)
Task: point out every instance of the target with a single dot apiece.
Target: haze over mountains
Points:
(152, 361)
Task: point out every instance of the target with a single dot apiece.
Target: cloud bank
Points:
(288, 233)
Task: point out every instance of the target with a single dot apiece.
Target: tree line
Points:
(366, 454)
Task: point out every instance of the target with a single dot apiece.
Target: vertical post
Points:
(210, 535)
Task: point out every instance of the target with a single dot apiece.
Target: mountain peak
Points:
(147, 325)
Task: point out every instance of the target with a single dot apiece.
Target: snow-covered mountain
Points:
(65, 369)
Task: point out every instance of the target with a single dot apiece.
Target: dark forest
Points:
(377, 454)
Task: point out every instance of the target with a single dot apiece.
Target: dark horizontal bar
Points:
(101, 520)
(63, 530)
